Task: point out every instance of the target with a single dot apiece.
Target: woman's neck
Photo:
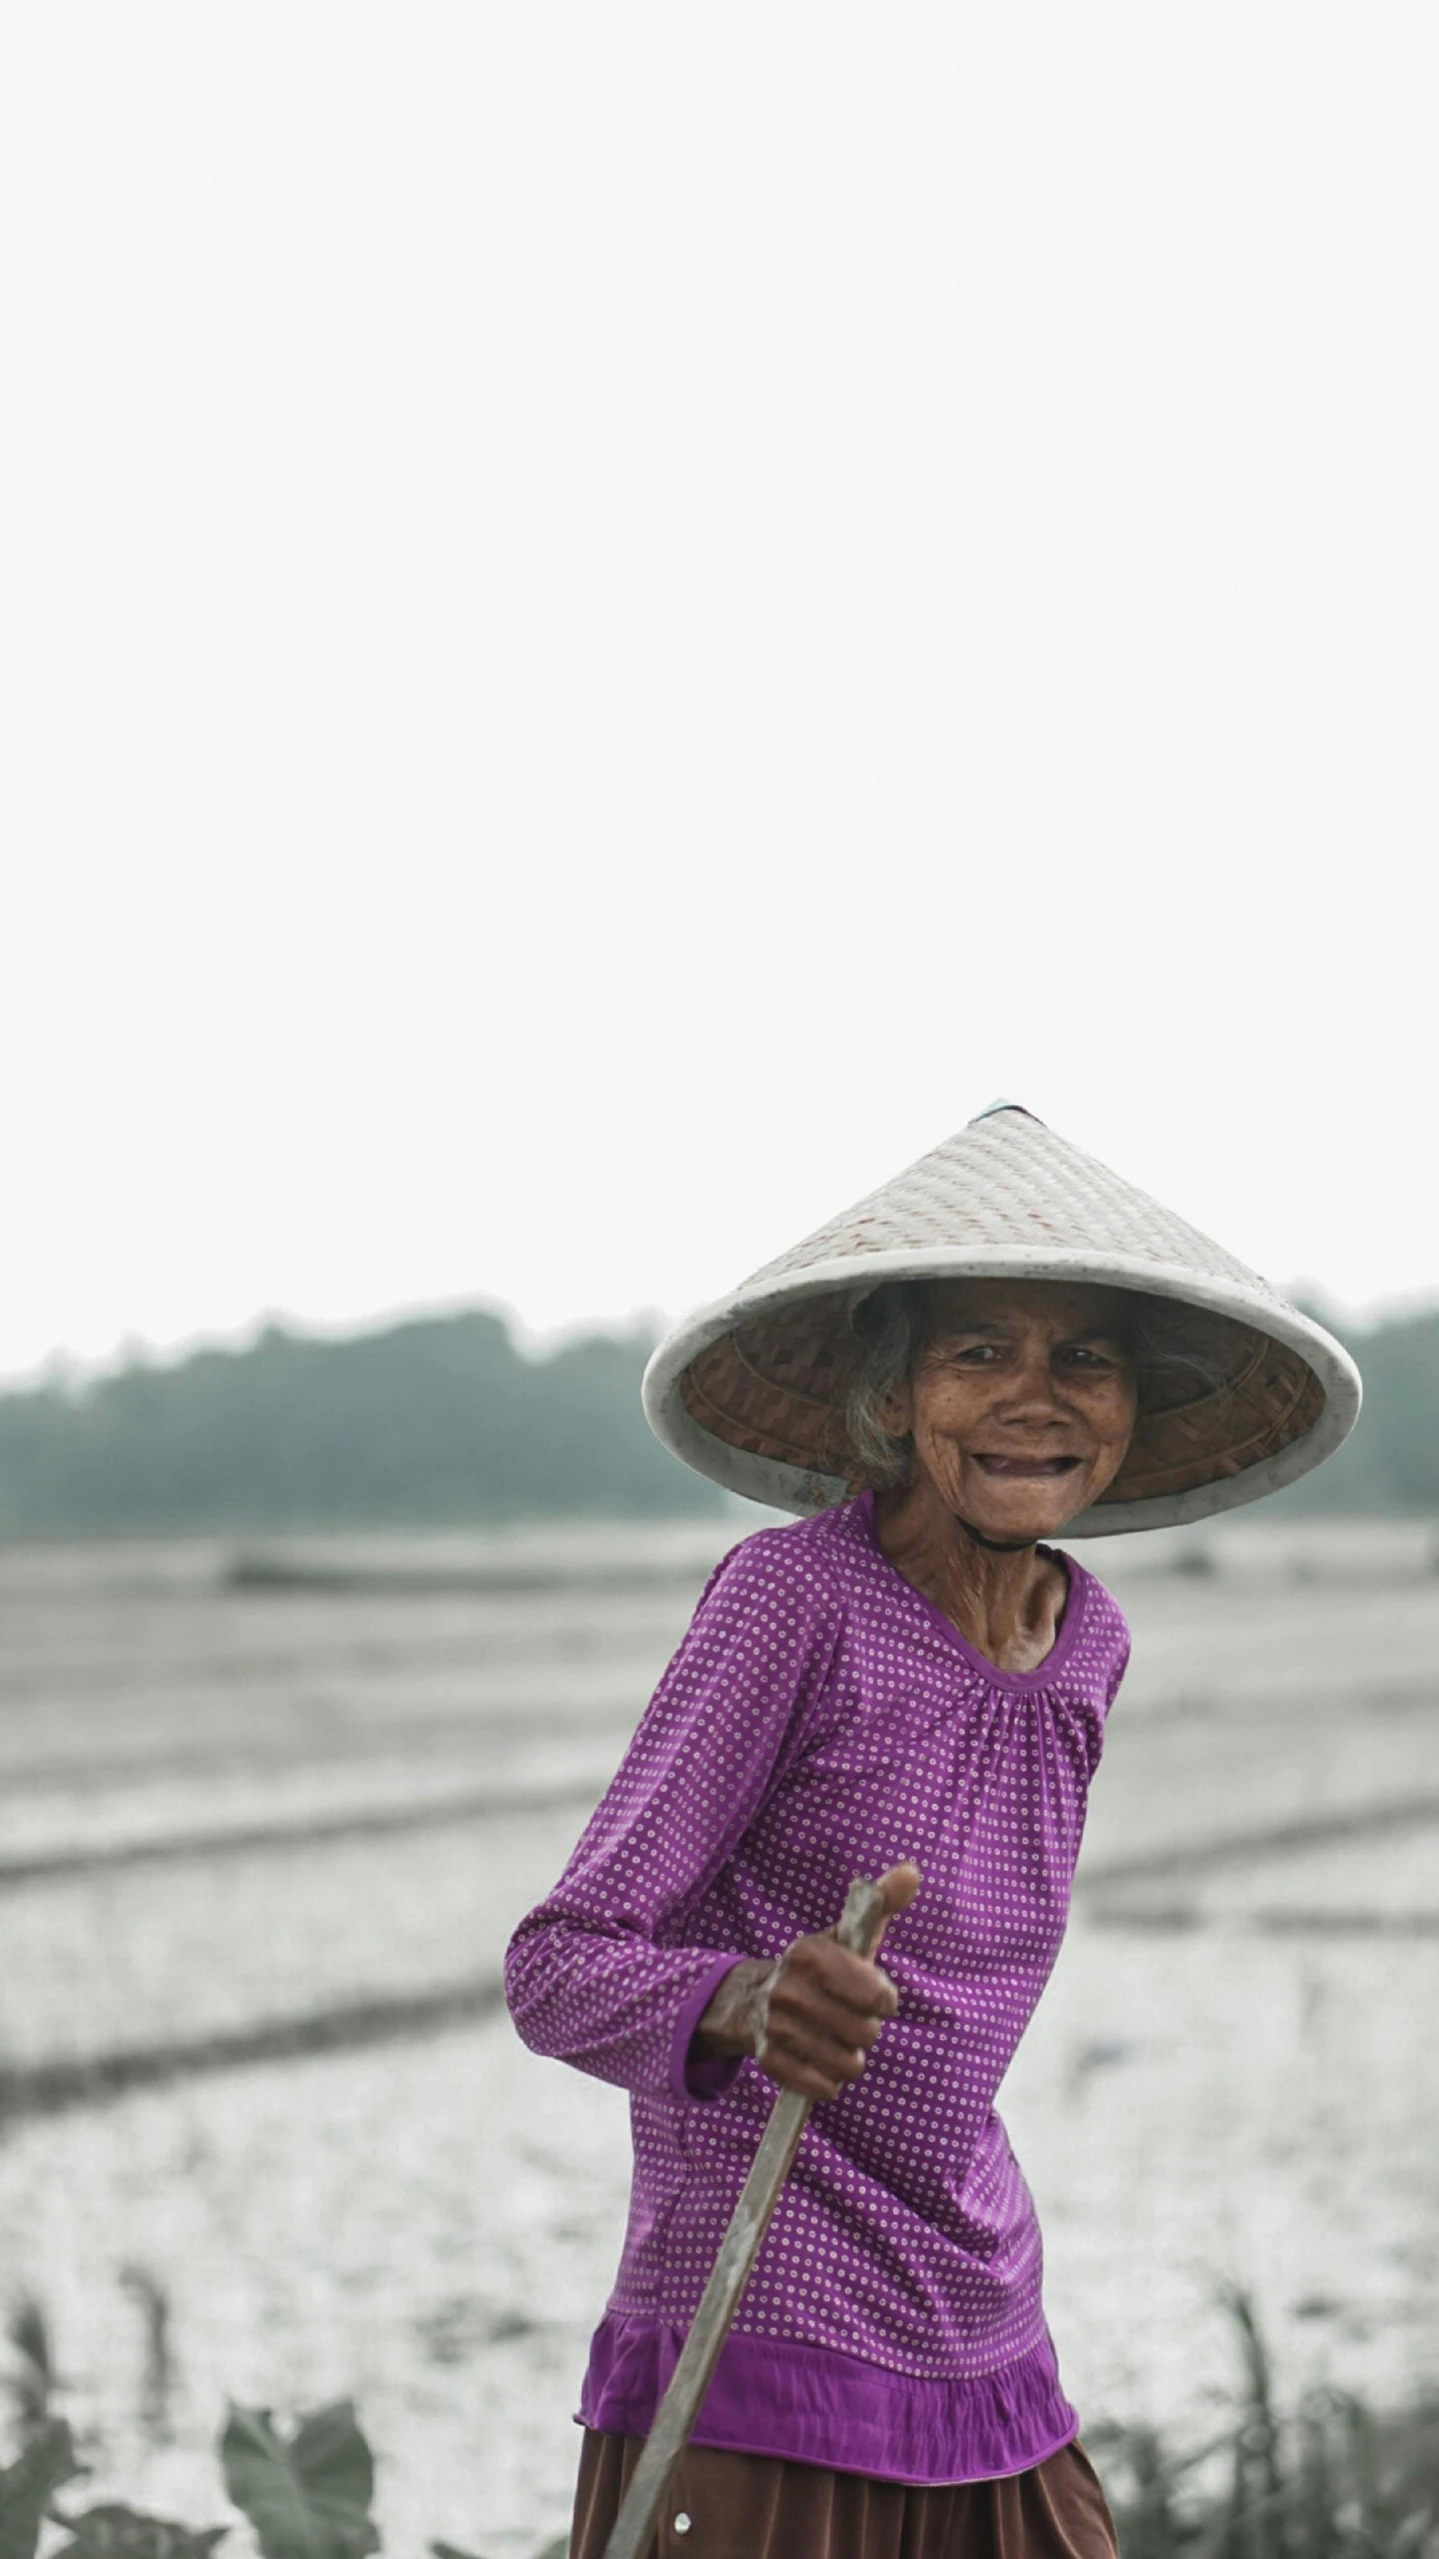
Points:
(1007, 1604)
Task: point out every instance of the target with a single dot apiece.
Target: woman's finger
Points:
(805, 2009)
(899, 1886)
(897, 1889)
(793, 2060)
(802, 2077)
(853, 1981)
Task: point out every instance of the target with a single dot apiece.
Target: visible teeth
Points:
(1029, 1465)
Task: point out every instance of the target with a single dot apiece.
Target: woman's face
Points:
(1022, 1402)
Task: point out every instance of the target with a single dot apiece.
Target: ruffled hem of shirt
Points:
(808, 2403)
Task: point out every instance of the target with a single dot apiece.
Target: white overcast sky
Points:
(612, 617)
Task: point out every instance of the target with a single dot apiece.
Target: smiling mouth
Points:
(1027, 1469)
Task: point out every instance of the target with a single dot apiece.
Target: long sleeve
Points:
(602, 1974)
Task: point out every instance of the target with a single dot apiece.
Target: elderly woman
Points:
(908, 1682)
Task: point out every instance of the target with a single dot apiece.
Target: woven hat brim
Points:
(1330, 1379)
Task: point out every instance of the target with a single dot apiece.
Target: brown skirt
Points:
(741, 2505)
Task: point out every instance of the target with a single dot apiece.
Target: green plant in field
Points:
(310, 2497)
(32, 2379)
(118, 2532)
(552, 2550)
(29, 2488)
(29, 2484)
(158, 2383)
(306, 2495)
(1330, 2481)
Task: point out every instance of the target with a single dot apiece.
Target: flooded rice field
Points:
(267, 1817)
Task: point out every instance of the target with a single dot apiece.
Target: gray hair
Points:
(1175, 1351)
(890, 1326)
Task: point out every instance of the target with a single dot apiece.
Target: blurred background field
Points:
(613, 619)
(272, 1803)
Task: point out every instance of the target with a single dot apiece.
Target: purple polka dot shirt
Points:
(823, 1719)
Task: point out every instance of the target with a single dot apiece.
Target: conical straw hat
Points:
(752, 1391)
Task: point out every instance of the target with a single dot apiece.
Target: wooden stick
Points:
(859, 1930)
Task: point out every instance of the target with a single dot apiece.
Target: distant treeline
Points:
(443, 1420)
(438, 1420)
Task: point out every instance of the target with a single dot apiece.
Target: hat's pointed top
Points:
(1006, 1188)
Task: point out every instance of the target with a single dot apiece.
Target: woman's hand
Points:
(810, 2019)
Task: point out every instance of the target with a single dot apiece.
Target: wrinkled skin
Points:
(1022, 1405)
(810, 2019)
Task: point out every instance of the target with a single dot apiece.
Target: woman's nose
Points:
(1032, 1386)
